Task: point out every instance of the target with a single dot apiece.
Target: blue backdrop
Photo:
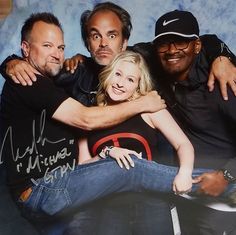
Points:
(216, 17)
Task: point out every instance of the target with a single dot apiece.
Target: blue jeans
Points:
(96, 180)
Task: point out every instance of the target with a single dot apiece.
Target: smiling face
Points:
(105, 39)
(123, 82)
(177, 62)
(44, 49)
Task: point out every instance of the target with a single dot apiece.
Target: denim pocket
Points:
(47, 200)
(53, 200)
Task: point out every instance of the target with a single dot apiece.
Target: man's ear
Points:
(198, 46)
(88, 46)
(124, 45)
(25, 48)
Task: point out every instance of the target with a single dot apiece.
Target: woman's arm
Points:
(163, 121)
(121, 155)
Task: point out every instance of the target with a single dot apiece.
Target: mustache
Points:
(106, 49)
(55, 60)
(174, 56)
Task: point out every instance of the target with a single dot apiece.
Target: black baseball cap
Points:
(180, 23)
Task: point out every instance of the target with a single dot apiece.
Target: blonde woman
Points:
(125, 79)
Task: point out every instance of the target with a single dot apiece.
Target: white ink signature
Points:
(57, 172)
(35, 158)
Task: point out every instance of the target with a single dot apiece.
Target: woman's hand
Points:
(122, 156)
(182, 182)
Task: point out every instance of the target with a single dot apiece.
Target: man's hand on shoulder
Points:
(21, 72)
(72, 63)
(225, 72)
(151, 102)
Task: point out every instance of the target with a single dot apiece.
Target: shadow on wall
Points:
(5, 8)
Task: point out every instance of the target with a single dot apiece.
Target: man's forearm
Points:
(75, 114)
(89, 118)
(107, 116)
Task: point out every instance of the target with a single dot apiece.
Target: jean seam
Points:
(38, 195)
(67, 196)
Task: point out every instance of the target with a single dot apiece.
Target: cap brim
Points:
(191, 36)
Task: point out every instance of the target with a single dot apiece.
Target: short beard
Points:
(52, 72)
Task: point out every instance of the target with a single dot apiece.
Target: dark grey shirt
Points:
(208, 120)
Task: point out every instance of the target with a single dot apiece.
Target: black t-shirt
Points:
(134, 134)
(34, 144)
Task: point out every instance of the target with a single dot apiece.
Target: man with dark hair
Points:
(208, 121)
(122, 14)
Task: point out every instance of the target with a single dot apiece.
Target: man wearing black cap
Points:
(208, 120)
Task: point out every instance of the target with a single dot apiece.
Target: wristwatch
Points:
(105, 152)
(227, 175)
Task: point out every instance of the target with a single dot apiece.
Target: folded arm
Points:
(73, 113)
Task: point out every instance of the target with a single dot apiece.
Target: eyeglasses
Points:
(165, 46)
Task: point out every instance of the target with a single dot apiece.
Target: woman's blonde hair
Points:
(145, 81)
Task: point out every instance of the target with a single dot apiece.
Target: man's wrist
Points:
(4, 64)
(228, 176)
(230, 58)
(138, 105)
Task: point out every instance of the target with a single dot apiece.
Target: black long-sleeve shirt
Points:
(208, 120)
